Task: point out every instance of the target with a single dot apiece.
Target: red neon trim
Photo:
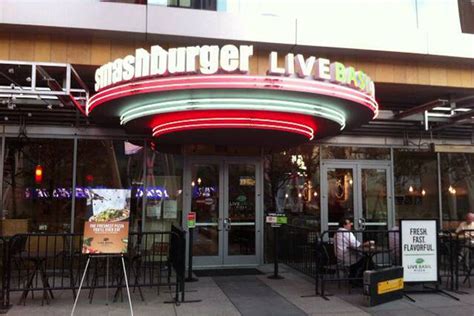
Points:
(232, 82)
(191, 120)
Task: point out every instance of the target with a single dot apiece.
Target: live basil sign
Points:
(419, 250)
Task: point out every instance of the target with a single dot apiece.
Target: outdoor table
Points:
(368, 252)
(39, 268)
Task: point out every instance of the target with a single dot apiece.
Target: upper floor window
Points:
(466, 15)
(190, 4)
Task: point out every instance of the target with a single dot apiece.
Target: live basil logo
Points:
(419, 250)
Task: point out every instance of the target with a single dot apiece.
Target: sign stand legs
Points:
(107, 283)
(107, 286)
(80, 285)
(275, 275)
(126, 285)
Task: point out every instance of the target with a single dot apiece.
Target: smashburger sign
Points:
(212, 59)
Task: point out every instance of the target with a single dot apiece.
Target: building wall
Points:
(95, 51)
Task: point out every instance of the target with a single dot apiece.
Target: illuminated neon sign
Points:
(153, 193)
(212, 59)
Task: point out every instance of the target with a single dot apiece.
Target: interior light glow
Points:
(423, 192)
(38, 174)
(232, 82)
(410, 189)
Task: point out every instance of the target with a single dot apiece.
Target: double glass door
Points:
(359, 190)
(225, 194)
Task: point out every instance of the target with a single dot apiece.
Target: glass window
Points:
(355, 153)
(292, 185)
(164, 191)
(416, 184)
(457, 187)
(37, 183)
(106, 164)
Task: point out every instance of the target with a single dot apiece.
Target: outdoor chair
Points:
(329, 265)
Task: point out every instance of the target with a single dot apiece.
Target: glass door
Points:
(241, 209)
(338, 199)
(360, 190)
(225, 194)
(375, 197)
(206, 200)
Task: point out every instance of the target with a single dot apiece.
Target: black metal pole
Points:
(275, 275)
(190, 277)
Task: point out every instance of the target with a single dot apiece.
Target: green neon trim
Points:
(234, 104)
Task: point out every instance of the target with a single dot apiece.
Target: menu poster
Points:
(106, 231)
(419, 249)
(170, 209)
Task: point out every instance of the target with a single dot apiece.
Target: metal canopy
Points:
(422, 112)
(55, 94)
(41, 94)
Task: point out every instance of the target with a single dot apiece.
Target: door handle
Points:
(227, 223)
(362, 223)
(219, 225)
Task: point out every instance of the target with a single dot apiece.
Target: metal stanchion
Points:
(190, 277)
(275, 275)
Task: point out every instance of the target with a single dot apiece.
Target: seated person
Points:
(344, 239)
(468, 224)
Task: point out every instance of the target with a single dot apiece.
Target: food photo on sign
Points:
(106, 230)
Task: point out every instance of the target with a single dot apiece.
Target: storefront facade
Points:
(289, 130)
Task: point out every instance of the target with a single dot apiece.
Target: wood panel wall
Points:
(97, 51)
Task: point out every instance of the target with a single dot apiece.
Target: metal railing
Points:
(333, 255)
(457, 258)
(49, 262)
(337, 256)
(298, 248)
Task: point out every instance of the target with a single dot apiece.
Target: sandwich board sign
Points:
(419, 250)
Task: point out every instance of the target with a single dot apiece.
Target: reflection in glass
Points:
(206, 241)
(415, 172)
(205, 195)
(42, 202)
(242, 240)
(374, 195)
(205, 202)
(292, 185)
(355, 153)
(340, 194)
(164, 201)
(457, 187)
(242, 193)
(106, 164)
(241, 203)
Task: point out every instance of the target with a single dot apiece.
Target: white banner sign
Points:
(419, 250)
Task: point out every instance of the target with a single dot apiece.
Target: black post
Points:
(190, 277)
(275, 275)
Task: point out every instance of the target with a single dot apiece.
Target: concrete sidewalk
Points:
(260, 296)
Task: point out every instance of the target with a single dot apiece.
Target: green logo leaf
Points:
(420, 261)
